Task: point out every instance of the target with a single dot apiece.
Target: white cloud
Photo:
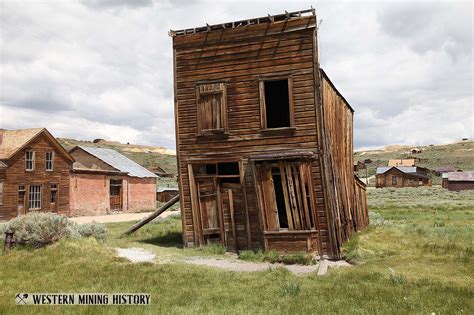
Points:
(103, 69)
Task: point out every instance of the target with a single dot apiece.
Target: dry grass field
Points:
(416, 257)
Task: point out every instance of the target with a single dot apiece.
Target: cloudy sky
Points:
(103, 68)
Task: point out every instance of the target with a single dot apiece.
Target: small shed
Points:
(402, 176)
(457, 181)
(164, 194)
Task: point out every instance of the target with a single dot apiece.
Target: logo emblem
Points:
(20, 298)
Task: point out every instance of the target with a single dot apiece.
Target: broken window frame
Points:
(218, 89)
(300, 202)
(263, 105)
(394, 180)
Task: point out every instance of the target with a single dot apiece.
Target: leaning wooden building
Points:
(264, 139)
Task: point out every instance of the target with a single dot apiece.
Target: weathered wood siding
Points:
(16, 175)
(337, 117)
(240, 57)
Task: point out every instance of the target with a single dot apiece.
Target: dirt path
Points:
(119, 217)
(230, 263)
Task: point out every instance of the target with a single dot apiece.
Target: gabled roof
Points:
(12, 141)
(117, 161)
(461, 176)
(401, 162)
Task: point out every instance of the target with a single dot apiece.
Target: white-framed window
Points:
(34, 201)
(1, 192)
(30, 160)
(49, 161)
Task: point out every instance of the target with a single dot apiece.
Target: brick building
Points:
(103, 180)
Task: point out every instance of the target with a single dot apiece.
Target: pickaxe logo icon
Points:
(21, 297)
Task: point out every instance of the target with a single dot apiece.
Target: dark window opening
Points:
(228, 168)
(280, 198)
(277, 104)
(115, 187)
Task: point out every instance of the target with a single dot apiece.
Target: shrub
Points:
(42, 229)
(96, 230)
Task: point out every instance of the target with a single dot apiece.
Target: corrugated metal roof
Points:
(461, 176)
(403, 169)
(162, 189)
(119, 161)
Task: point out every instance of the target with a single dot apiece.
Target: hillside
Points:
(147, 156)
(459, 155)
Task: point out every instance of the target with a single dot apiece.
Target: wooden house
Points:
(103, 180)
(401, 176)
(264, 139)
(457, 181)
(34, 173)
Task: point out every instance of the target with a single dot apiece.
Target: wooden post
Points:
(152, 216)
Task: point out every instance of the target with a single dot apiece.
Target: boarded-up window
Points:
(276, 103)
(286, 195)
(211, 108)
(34, 200)
(1, 192)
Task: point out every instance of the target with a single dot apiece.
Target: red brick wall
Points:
(90, 194)
(142, 194)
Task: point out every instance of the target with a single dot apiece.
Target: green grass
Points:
(416, 257)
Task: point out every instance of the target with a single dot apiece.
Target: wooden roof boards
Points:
(12, 141)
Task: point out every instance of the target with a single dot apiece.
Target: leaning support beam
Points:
(152, 216)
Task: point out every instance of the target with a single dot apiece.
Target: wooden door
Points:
(115, 194)
(234, 217)
(210, 211)
(21, 200)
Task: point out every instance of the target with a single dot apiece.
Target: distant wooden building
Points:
(164, 194)
(457, 181)
(264, 139)
(401, 176)
(103, 180)
(34, 173)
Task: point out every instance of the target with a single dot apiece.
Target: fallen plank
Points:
(155, 214)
